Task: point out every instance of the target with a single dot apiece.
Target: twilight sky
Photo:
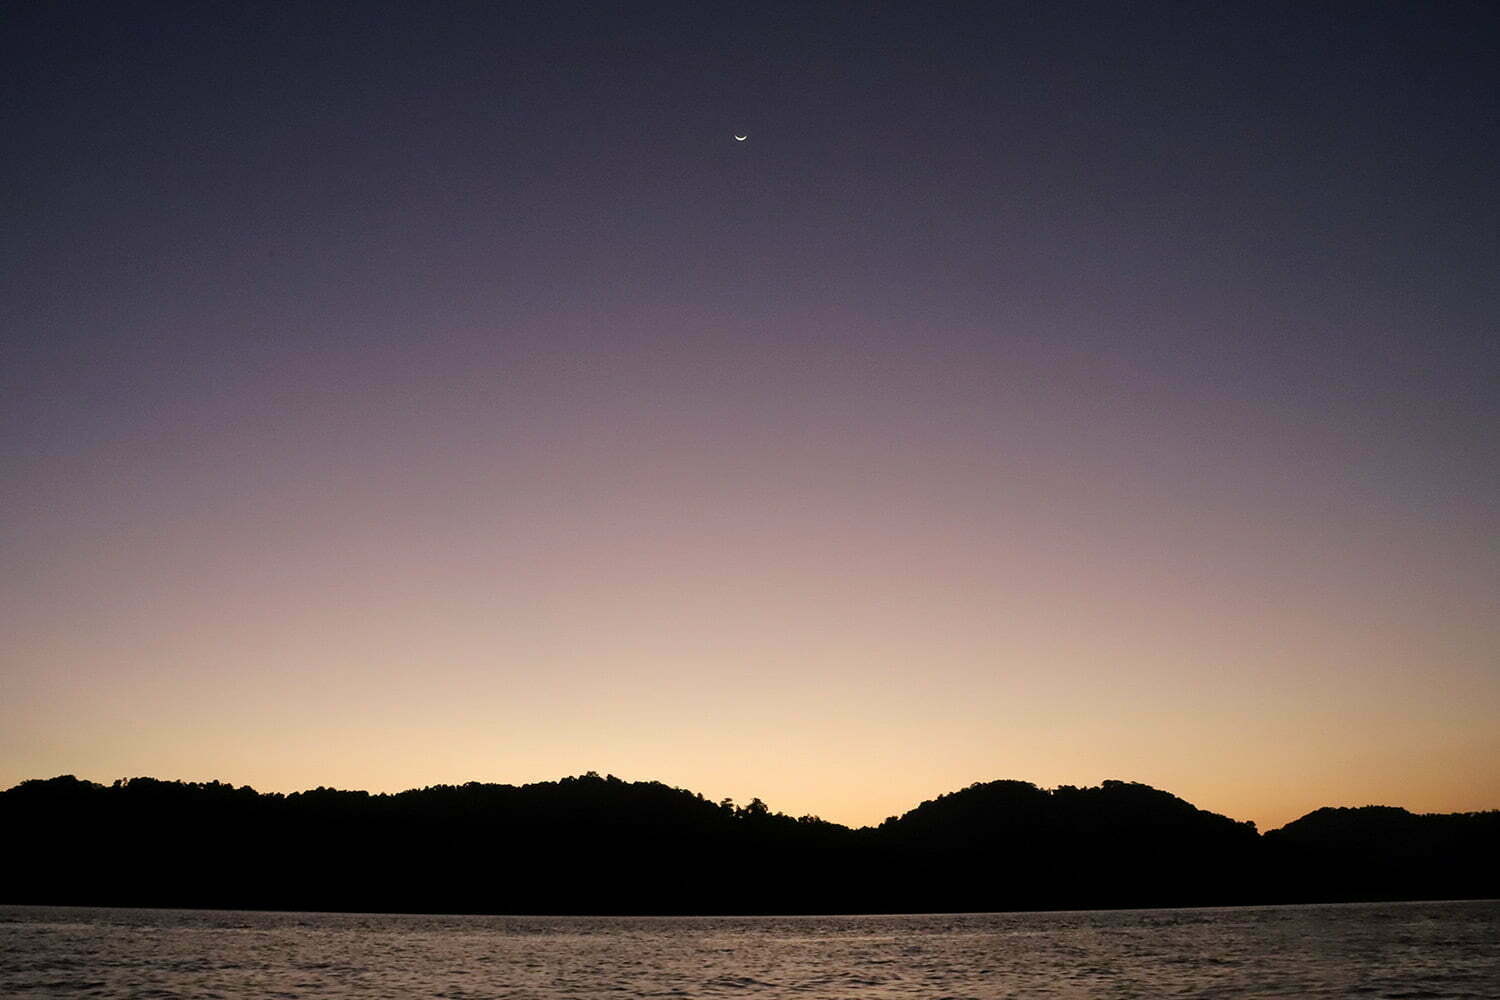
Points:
(403, 393)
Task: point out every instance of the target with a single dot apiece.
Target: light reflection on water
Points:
(1377, 950)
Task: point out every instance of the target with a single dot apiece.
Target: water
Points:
(1406, 950)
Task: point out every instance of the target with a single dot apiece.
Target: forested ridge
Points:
(592, 844)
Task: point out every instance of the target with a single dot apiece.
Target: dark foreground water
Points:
(1366, 950)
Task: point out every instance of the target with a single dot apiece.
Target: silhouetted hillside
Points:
(1121, 844)
(580, 844)
(602, 845)
(1382, 852)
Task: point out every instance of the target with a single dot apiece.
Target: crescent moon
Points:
(741, 138)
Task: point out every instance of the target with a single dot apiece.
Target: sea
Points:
(1396, 950)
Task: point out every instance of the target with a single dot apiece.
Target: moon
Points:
(741, 138)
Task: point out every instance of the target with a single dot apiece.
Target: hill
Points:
(592, 844)
(1383, 852)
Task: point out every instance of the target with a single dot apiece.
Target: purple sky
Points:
(394, 394)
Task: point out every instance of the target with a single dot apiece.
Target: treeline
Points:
(595, 844)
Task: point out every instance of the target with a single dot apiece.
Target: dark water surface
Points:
(1406, 950)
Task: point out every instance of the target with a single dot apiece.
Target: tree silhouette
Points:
(603, 845)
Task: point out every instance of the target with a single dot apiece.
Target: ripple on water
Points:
(1413, 950)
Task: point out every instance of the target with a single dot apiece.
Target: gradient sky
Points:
(395, 394)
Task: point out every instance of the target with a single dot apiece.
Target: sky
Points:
(395, 394)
